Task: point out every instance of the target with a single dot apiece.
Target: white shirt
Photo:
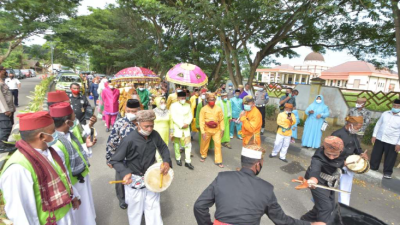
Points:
(17, 186)
(387, 129)
(12, 83)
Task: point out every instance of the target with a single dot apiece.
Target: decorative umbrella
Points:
(136, 75)
(187, 74)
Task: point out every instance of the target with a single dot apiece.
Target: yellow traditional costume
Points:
(211, 124)
(251, 123)
(194, 100)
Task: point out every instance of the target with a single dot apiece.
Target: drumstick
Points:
(116, 182)
(360, 156)
(323, 187)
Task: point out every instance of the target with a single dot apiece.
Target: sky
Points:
(331, 58)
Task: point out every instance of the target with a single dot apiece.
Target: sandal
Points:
(219, 165)
(202, 159)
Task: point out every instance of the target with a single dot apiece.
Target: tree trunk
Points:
(227, 54)
(396, 17)
(11, 47)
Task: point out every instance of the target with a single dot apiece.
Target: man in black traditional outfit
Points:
(241, 197)
(134, 156)
(325, 169)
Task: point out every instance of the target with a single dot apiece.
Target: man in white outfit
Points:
(34, 181)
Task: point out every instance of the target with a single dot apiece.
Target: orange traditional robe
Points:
(251, 126)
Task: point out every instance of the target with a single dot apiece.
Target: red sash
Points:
(216, 222)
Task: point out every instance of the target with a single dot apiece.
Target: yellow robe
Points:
(215, 114)
(283, 122)
(172, 98)
(193, 101)
(252, 122)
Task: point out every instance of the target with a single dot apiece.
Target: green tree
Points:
(21, 19)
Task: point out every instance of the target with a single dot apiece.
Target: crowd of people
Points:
(55, 147)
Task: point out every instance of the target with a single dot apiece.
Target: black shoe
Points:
(123, 205)
(189, 165)
(107, 130)
(179, 162)
(262, 133)
(387, 176)
(7, 148)
(272, 156)
(284, 160)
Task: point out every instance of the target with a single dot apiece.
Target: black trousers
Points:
(379, 149)
(323, 208)
(119, 188)
(5, 127)
(14, 92)
(262, 111)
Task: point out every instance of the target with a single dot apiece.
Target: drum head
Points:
(152, 178)
(357, 166)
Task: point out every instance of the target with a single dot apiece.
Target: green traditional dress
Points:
(227, 110)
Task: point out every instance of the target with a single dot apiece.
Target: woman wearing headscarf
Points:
(162, 123)
(316, 112)
(110, 96)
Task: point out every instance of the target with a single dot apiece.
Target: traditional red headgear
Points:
(34, 121)
(60, 109)
(57, 96)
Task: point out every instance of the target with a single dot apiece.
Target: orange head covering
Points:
(34, 121)
(333, 143)
(355, 119)
(288, 105)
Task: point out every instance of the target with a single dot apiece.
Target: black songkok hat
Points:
(397, 101)
(237, 90)
(196, 89)
(182, 94)
(133, 103)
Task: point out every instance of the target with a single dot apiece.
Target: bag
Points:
(212, 124)
(324, 126)
(137, 182)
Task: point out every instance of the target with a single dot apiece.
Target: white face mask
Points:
(203, 97)
(179, 90)
(351, 129)
(143, 132)
(163, 106)
(182, 101)
(111, 87)
(130, 116)
(141, 89)
(318, 101)
(359, 105)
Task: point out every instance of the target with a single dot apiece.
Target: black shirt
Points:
(321, 163)
(350, 141)
(241, 198)
(81, 107)
(139, 153)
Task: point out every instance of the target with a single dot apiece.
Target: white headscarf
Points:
(101, 86)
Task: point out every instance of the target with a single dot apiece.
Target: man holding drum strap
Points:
(137, 151)
(348, 134)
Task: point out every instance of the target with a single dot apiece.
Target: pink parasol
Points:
(136, 73)
(187, 74)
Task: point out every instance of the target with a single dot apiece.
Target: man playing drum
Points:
(241, 198)
(348, 134)
(137, 151)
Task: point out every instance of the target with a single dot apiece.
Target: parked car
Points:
(66, 79)
(8, 71)
(61, 72)
(27, 73)
(18, 74)
(33, 72)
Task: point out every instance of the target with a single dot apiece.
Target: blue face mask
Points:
(247, 107)
(394, 110)
(55, 138)
(73, 126)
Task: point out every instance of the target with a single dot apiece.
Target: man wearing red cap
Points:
(75, 153)
(34, 181)
(61, 96)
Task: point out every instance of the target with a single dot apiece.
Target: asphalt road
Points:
(177, 202)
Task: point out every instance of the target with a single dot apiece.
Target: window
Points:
(331, 83)
(338, 83)
(75, 79)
